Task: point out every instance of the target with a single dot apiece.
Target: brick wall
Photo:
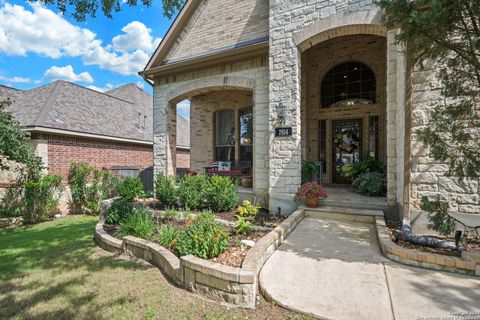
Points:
(183, 158)
(63, 150)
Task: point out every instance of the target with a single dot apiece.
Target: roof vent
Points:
(142, 119)
(59, 118)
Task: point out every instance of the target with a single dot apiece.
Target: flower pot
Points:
(247, 181)
(311, 202)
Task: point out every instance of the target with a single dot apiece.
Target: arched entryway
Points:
(344, 104)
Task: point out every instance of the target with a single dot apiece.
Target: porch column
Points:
(284, 87)
(396, 90)
(261, 137)
(162, 155)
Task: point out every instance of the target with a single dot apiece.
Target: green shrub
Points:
(89, 186)
(118, 211)
(203, 237)
(165, 190)
(130, 188)
(167, 235)
(77, 179)
(368, 165)
(12, 203)
(438, 218)
(41, 197)
(243, 226)
(191, 191)
(139, 224)
(371, 183)
(308, 170)
(108, 186)
(221, 194)
(248, 209)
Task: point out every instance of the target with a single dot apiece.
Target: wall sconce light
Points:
(281, 112)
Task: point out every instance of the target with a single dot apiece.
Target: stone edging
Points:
(10, 221)
(230, 285)
(468, 263)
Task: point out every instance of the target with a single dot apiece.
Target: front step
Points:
(342, 213)
(370, 204)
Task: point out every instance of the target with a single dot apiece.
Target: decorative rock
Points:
(58, 215)
(247, 244)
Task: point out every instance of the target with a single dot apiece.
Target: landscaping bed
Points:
(234, 254)
(395, 233)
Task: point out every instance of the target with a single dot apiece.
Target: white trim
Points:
(86, 135)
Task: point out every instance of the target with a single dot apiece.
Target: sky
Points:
(38, 45)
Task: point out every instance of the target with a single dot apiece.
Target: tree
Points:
(83, 8)
(447, 34)
(14, 144)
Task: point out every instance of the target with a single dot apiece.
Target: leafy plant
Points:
(167, 235)
(248, 209)
(77, 179)
(203, 237)
(438, 217)
(14, 144)
(139, 224)
(130, 188)
(373, 184)
(166, 190)
(243, 226)
(370, 164)
(118, 211)
(221, 194)
(192, 190)
(41, 197)
(308, 170)
(108, 186)
(311, 190)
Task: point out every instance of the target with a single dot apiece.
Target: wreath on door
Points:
(347, 141)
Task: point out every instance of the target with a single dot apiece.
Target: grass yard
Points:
(53, 270)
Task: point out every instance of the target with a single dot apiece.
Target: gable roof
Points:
(66, 106)
(206, 28)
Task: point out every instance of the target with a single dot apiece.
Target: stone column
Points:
(396, 90)
(261, 137)
(40, 148)
(284, 87)
(160, 130)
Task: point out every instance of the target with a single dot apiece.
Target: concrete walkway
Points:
(334, 270)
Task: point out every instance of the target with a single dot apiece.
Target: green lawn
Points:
(53, 270)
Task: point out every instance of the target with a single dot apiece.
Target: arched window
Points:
(348, 83)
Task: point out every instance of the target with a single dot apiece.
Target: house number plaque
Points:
(283, 132)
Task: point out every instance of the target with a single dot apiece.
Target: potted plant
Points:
(247, 179)
(312, 192)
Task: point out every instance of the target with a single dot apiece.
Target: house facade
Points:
(274, 82)
(70, 123)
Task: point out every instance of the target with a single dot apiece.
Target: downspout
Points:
(407, 232)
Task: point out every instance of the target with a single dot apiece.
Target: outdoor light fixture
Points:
(281, 112)
(458, 235)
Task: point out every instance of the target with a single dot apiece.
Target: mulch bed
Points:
(233, 255)
(263, 218)
(395, 232)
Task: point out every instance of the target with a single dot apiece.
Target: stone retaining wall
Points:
(467, 263)
(230, 285)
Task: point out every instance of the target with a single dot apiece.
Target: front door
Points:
(347, 147)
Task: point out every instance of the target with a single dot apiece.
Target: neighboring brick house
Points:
(69, 123)
(328, 72)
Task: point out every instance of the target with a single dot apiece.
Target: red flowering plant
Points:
(311, 190)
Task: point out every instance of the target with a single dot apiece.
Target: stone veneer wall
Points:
(219, 24)
(202, 113)
(427, 177)
(287, 21)
(168, 91)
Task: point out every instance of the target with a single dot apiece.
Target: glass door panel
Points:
(347, 147)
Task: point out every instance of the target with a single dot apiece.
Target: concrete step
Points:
(342, 213)
(358, 204)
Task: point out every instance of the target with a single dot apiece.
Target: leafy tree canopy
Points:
(14, 142)
(446, 32)
(83, 8)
